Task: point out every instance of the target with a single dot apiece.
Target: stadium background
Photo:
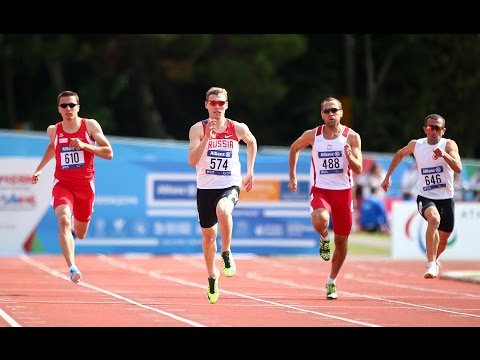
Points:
(146, 203)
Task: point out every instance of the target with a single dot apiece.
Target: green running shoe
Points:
(324, 248)
(212, 288)
(229, 267)
(331, 291)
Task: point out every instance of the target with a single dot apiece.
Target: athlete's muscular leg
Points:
(209, 245)
(65, 238)
(339, 255)
(80, 228)
(224, 210)
(442, 245)
(431, 234)
(83, 209)
(320, 221)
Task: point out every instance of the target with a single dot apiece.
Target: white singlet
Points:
(219, 166)
(329, 168)
(435, 176)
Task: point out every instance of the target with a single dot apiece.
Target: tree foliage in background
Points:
(153, 85)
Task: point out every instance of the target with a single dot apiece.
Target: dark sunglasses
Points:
(214, 103)
(434, 127)
(71, 105)
(332, 110)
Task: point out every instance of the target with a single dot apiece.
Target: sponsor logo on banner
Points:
(22, 204)
(16, 192)
(263, 190)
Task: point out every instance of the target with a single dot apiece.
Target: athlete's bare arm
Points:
(306, 139)
(102, 149)
(353, 151)
(48, 155)
(244, 134)
(450, 155)
(198, 142)
(397, 158)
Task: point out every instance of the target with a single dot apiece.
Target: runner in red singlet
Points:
(74, 142)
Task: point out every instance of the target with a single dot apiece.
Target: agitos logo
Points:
(415, 228)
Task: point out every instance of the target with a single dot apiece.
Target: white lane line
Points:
(53, 272)
(350, 275)
(297, 285)
(158, 275)
(9, 319)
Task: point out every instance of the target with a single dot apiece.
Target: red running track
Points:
(273, 291)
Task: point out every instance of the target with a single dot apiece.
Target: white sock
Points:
(330, 280)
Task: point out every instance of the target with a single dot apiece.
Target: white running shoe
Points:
(432, 270)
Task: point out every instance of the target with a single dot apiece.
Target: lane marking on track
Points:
(350, 275)
(9, 319)
(297, 285)
(405, 286)
(56, 273)
(156, 274)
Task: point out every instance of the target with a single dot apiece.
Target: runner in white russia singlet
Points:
(220, 166)
(330, 168)
(435, 176)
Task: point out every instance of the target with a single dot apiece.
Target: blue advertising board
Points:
(146, 202)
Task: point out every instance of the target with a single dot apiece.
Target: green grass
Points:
(369, 244)
(361, 249)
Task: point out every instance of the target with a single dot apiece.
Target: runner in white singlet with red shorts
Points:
(336, 152)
